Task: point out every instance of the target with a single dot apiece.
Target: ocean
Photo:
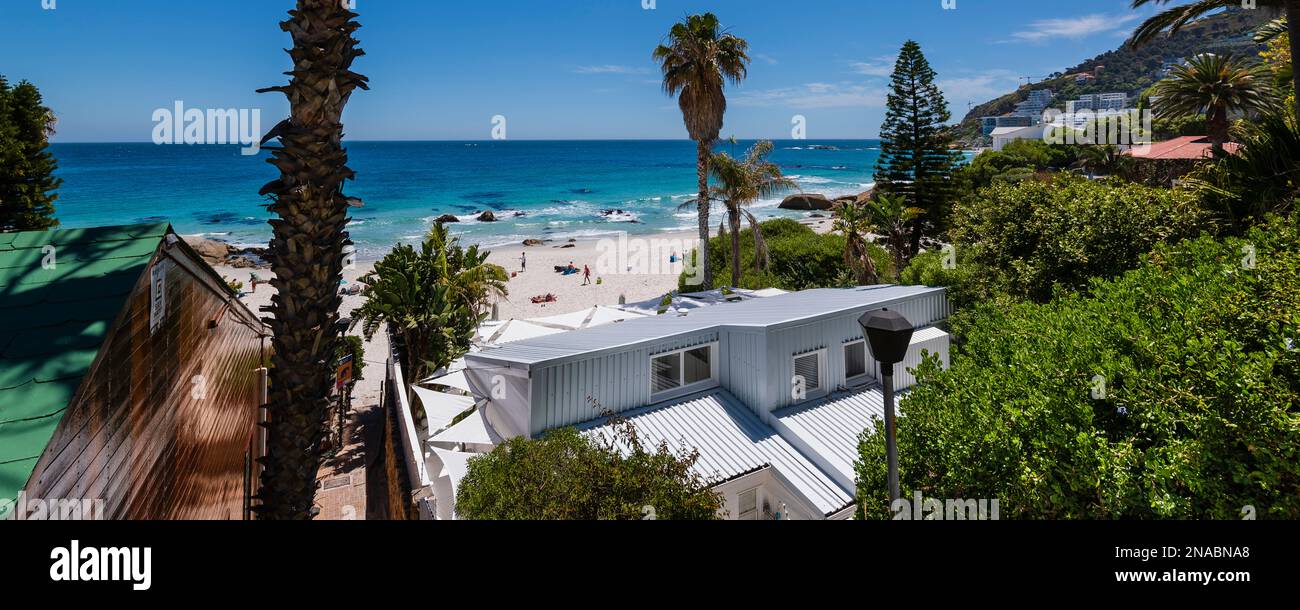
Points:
(538, 190)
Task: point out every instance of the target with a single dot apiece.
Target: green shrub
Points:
(1028, 240)
(1200, 360)
(568, 476)
(801, 258)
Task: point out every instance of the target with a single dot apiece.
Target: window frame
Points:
(822, 366)
(866, 362)
(683, 388)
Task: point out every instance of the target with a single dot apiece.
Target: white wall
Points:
(773, 491)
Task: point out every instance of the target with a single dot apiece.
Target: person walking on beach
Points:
(523, 262)
(586, 275)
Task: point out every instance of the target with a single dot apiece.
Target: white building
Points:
(1005, 135)
(773, 392)
(1098, 102)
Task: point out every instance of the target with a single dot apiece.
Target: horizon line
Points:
(489, 141)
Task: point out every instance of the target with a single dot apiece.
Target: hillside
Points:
(1132, 70)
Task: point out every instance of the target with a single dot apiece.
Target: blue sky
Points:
(556, 69)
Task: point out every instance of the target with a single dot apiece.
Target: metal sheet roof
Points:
(830, 427)
(732, 441)
(771, 312)
(52, 323)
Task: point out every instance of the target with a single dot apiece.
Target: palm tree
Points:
(894, 219)
(1174, 19)
(1262, 179)
(1106, 160)
(434, 298)
(697, 58)
(306, 250)
(740, 182)
(853, 220)
(1214, 85)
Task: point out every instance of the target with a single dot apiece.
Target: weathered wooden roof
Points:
(53, 320)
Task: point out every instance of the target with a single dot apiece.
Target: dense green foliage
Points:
(27, 180)
(916, 158)
(1029, 239)
(568, 476)
(1018, 160)
(433, 298)
(801, 258)
(1239, 190)
(1197, 418)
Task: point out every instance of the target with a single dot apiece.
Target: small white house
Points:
(1005, 135)
(773, 392)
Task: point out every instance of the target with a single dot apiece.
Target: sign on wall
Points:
(157, 295)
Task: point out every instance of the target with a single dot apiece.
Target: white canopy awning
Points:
(441, 408)
(474, 431)
(588, 318)
(516, 330)
(455, 380)
(455, 465)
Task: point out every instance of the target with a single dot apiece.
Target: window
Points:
(809, 368)
(666, 373)
(681, 370)
(855, 359)
(698, 367)
(748, 508)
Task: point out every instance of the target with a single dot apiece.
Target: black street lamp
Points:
(889, 334)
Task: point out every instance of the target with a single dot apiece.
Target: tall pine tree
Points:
(916, 159)
(27, 180)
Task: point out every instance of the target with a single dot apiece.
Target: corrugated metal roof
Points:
(52, 323)
(830, 427)
(732, 441)
(771, 312)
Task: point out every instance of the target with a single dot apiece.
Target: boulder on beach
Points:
(446, 218)
(807, 202)
(212, 251)
(534, 242)
(487, 216)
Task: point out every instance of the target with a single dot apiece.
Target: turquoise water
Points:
(563, 189)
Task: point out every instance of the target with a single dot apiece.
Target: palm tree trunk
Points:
(702, 172)
(1217, 126)
(307, 251)
(733, 218)
(1292, 19)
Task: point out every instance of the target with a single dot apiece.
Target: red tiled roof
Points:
(1186, 147)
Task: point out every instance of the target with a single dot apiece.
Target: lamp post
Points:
(889, 334)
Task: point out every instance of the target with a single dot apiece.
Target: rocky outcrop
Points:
(487, 216)
(213, 252)
(807, 202)
(219, 253)
(447, 218)
(533, 243)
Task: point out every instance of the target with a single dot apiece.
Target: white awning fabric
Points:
(517, 330)
(455, 380)
(455, 465)
(474, 431)
(441, 408)
(588, 318)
